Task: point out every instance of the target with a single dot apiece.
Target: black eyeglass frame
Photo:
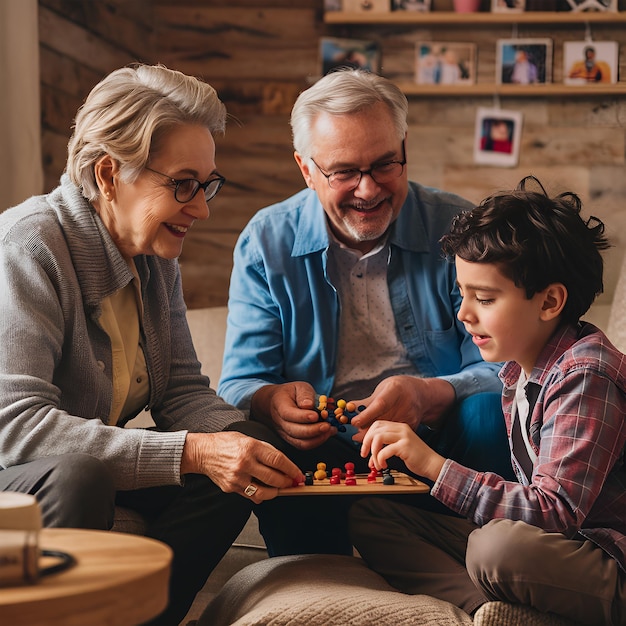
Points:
(177, 182)
(370, 172)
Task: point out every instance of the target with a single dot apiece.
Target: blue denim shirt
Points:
(284, 312)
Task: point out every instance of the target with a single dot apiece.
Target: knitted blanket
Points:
(321, 590)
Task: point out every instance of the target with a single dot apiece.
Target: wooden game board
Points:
(402, 484)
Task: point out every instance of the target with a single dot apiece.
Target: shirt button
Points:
(101, 365)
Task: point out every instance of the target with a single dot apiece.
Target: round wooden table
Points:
(118, 580)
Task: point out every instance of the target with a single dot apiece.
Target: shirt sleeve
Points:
(581, 436)
(253, 351)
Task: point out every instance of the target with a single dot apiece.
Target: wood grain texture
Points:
(261, 55)
(97, 590)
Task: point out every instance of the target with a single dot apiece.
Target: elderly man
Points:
(342, 290)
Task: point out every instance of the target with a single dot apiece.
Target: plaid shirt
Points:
(578, 431)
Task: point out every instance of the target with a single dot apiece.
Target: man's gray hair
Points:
(343, 92)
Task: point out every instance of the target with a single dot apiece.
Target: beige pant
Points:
(450, 558)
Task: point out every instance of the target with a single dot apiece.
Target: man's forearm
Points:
(439, 399)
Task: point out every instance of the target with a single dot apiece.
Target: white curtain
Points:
(21, 172)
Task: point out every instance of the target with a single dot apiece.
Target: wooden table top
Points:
(119, 580)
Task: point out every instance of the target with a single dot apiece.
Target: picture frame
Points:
(590, 62)
(337, 52)
(593, 5)
(508, 6)
(445, 63)
(422, 6)
(497, 137)
(333, 5)
(524, 61)
(366, 6)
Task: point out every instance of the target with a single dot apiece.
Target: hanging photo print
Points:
(497, 137)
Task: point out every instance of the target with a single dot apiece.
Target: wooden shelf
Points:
(486, 89)
(486, 18)
(481, 17)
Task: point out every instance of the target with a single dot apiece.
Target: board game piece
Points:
(320, 473)
(336, 413)
(402, 484)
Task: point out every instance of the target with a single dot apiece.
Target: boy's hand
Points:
(386, 439)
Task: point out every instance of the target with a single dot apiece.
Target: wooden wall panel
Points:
(80, 42)
(100, 24)
(77, 44)
(260, 55)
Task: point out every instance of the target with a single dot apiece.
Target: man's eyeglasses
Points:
(347, 180)
(185, 189)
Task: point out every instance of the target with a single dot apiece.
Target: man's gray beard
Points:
(360, 236)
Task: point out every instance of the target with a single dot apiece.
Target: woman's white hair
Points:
(127, 113)
(343, 92)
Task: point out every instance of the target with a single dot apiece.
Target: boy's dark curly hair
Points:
(535, 241)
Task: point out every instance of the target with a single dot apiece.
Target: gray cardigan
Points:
(57, 264)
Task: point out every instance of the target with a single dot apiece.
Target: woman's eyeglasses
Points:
(185, 189)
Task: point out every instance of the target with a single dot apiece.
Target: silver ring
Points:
(250, 490)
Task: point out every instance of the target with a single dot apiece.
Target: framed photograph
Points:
(497, 137)
(368, 6)
(410, 5)
(590, 62)
(445, 63)
(592, 5)
(332, 5)
(357, 53)
(508, 6)
(524, 61)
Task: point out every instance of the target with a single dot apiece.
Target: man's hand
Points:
(406, 399)
(290, 410)
(234, 461)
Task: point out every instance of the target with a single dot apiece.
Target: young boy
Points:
(528, 268)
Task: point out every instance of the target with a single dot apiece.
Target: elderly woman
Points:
(93, 330)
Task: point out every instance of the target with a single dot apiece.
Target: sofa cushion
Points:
(505, 614)
(321, 590)
(208, 330)
(128, 521)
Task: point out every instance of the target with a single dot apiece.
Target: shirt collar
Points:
(407, 232)
(560, 341)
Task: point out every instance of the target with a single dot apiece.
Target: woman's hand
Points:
(234, 461)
